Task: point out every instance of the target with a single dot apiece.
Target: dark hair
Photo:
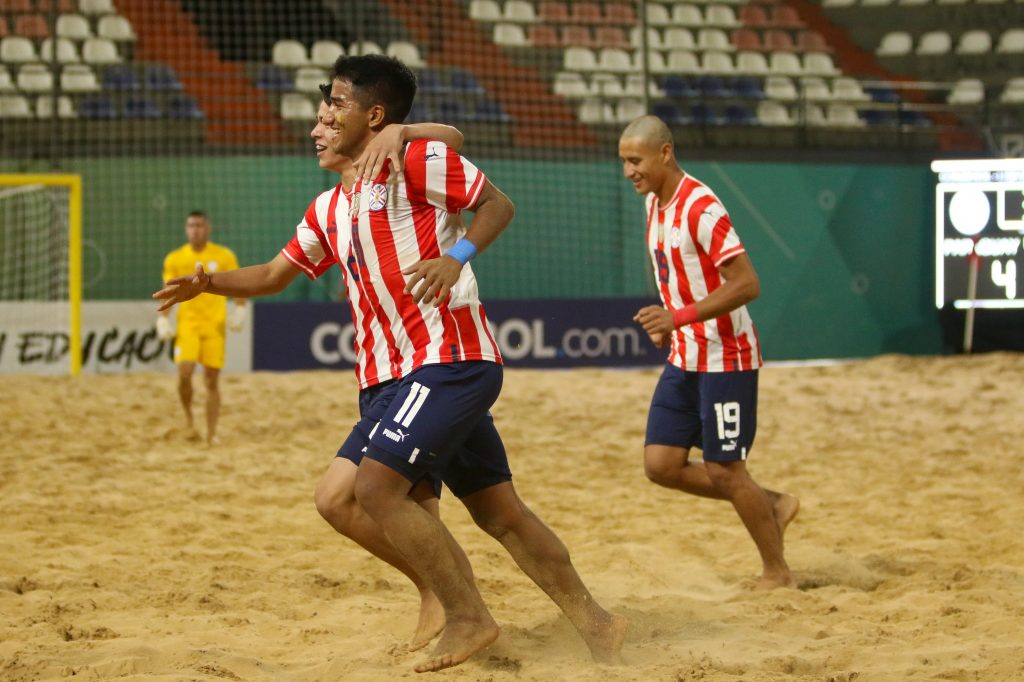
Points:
(377, 79)
(199, 214)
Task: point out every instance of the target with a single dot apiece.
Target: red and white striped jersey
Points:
(378, 230)
(687, 240)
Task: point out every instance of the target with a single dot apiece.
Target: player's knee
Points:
(498, 522)
(660, 470)
(724, 477)
(334, 504)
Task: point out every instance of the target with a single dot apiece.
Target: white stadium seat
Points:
(1011, 42)
(14, 106)
(66, 52)
(785, 64)
(519, 11)
(658, 15)
(44, 107)
(614, 59)
(683, 61)
(717, 63)
(629, 109)
(579, 59)
(974, 42)
(819, 64)
(361, 47)
(967, 91)
(484, 10)
(96, 7)
(17, 50)
(73, 26)
(407, 53)
(772, 113)
(780, 88)
(6, 84)
(100, 51)
(1013, 93)
(815, 89)
(309, 79)
(714, 39)
(687, 15)
(512, 35)
(895, 44)
(721, 15)
(297, 107)
(289, 53)
(678, 38)
(654, 38)
(848, 90)
(596, 111)
(751, 63)
(844, 116)
(35, 78)
(115, 27)
(934, 43)
(78, 78)
(570, 84)
(325, 52)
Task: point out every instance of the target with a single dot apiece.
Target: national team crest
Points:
(378, 196)
(675, 237)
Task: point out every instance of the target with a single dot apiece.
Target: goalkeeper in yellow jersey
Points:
(201, 321)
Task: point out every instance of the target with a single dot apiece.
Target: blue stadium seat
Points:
(184, 107)
(120, 77)
(670, 113)
(704, 115)
(464, 81)
(739, 115)
(714, 86)
(451, 110)
(915, 119)
(747, 86)
(431, 81)
(274, 78)
(96, 107)
(418, 113)
(873, 117)
(141, 106)
(160, 77)
(489, 111)
(678, 86)
(883, 94)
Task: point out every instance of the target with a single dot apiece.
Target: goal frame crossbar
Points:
(74, 185)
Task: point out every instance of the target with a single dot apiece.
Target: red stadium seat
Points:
(14, 6)
(577, 36)
(611, 36)
(785, 16)
(542, 36)
(753, 16)
(746, 39)
(586, 13)
(812, 41)
(62, 5)
(3, 26)
(553, 12)
(32, 26)
(778, 41)
(620, 13)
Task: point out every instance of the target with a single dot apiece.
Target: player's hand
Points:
(435, 279)
(236, 318)
(387, 144)
(182, 289)
(655, 320)
(661, 340)
(164, 328)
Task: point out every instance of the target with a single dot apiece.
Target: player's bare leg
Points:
(211, 377)
(336, 501)
(185, 370)
(670, 467)
(544, 558)
(756, 510)
(423, 543)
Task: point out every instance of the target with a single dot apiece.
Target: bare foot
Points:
(191, 435)
(606, 640)
(774, 582)
(460, 640)
(431, 621)
(786, 507)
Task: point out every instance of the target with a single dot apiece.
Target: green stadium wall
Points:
(843, 251)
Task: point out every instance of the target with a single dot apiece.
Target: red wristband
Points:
(684, 316)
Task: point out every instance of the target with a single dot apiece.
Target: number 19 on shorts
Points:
(727, 416)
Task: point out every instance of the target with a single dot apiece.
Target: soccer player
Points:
(707, 394)
(200, 333)
(422, 342)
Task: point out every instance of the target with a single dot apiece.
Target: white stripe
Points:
(424, 392)
(373, 430)
(408, 402)
(412, 458)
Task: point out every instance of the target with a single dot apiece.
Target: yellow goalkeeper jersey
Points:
(204, 308)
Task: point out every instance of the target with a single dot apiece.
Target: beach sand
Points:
(127, 552)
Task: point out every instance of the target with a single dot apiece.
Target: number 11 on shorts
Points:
(728, 417)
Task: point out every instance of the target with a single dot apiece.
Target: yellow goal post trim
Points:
(74, 185)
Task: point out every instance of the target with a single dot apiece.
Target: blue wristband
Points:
(463, 251)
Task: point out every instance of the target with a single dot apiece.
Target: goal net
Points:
(40, 274)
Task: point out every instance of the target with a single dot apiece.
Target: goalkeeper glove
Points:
(236, 318)
(164, 330)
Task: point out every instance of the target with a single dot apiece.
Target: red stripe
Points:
(450, 351)
(355, 346)
(682, 286)
(467, 332)
(416, 172)
(454, 183)
(487, 333)
(725, 330)
(712, 280)
(745, 359)
(718, 234)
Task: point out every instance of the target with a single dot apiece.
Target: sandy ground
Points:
(128, 553)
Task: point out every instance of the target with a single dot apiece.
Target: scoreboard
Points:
(979, 209)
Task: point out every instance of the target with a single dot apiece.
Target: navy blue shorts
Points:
(715, 411)
(435, 423)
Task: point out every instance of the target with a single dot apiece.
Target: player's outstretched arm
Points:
(388, 143)
(435, 277)
(254, 280)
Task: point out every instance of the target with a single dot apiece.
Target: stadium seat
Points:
(96, 107)
(780, 88)
(585, 13)
(489, 111)
(407, 53)
(772, 113)
(596, 111)
(542, 35)
(519, 11)
(628, 109)
(552, 12)
(452, 111)
(654, 38)
(620, 13)
(614, 60)
(952, 2)
(748, 87)
(66, 52)
(310, 78)
(289, 53)
(115, 27)
(677, 38)
(295, 107)
(784, 16)
(120, 77)
(14, 106)
(754, 16)
(878, 119)
(875, 3)
(895, 44)
(465, 82)
(785, 64)
(1013, 92)
(16, 6)
(746, 39)
(669, 113)
(703, 115)
(683, 61)
(78, 78)
(812, 41)
(160, 77)
(913, 119)
(32, 26)
(752, 63)
(419, 113)
(974, 42)
(274, 78)
(687, 15)
(882, 93)
(66, 6)
(777, 40)
(606, 84)
(967, 91)
(96, 7)
(361, 47)
(4, 31)
(35, 78)
(713, 86)
(611, 36)
(1011, 42)
(484, 10)
(510, 35)
(739, 115)
(570, 84)
(73, 26)
(325, 52)
(100, 51)
(838, 3)
(815, 89)
(819, 64)
(934, 43)
(721, 16)
(6, 83)
(657, 15)
(184, 107)
(848, 90)
(65, 108)
(814, 115)
(717, 63)
(141, 106)
(655, 62)
(432, 81)
(678, 86)
(574, 36)
(713, 39)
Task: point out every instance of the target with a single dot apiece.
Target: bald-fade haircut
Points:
(651, 130)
